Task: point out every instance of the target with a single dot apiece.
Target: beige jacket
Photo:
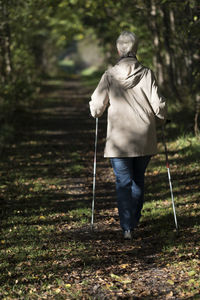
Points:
(130, 92)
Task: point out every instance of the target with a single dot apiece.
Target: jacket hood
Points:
(128, 72)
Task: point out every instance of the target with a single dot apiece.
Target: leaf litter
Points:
(59, 257)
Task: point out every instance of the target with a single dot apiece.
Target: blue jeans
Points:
(129, 172)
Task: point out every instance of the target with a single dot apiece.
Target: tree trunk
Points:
(2, 46)
(177, 77)
(5, 41)
(196, 117)
(170, 53)
(154, 26)
(153, 17)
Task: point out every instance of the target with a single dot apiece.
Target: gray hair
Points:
(127, 43)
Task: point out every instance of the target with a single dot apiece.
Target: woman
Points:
(130, 92)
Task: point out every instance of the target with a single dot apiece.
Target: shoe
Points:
(128, 235)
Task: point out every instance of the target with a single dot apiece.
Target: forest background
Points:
(34, 36)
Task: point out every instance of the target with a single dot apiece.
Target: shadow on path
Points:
(46, 178)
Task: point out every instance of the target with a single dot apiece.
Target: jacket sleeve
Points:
(99, 98)
(157, 102)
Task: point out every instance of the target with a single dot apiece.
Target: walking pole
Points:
(169, 177)
(94, 174)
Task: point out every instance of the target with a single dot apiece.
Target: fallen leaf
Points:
(123, 266)
(170, 281)
(115, 276)
(126, 280)
(57, 291)
(169, 295)
(191, 273)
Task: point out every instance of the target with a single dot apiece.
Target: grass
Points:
(46, 248)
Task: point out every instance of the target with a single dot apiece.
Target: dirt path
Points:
(49, 170)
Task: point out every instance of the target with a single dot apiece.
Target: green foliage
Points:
(34, 34)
